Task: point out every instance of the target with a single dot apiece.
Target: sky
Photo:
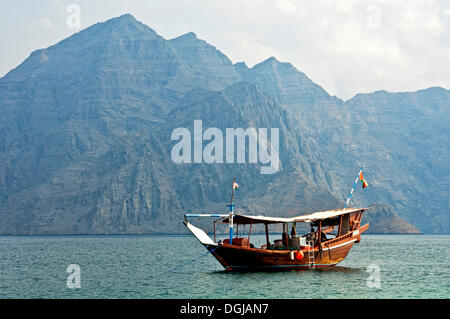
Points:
(345, 46)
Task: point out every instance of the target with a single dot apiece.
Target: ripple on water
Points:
(159, 267)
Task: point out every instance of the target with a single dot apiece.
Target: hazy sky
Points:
(347, 47)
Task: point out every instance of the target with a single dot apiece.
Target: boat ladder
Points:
(311, 260)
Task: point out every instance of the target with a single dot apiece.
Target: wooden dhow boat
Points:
(332, 235)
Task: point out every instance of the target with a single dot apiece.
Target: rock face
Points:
(86, 124)
(292, 88)
(411, 136)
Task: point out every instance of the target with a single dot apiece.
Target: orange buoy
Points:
(299, 255)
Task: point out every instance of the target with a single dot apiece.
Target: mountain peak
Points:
(241, 64)
(125, 24)
(126, 17)
(124, 27)
(241, 67)
(189, 35)
(272, 60)
(435, 89)
(115, 30)
(189, 39)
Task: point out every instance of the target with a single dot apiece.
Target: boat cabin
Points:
(324, 227)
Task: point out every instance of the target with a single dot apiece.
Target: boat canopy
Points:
(246, 219)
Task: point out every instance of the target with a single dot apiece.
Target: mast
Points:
(230, 217)
(353, 188)
(232, 190)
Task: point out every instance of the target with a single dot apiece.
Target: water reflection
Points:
(334, 269)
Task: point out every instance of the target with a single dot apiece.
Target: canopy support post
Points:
(340, 226)
(319, 232)
(250, 231)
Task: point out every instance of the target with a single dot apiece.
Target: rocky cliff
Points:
(86, 124)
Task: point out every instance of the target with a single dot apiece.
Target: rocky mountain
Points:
(410, 133)
(86, 138)
(383, 220)
(401, 138)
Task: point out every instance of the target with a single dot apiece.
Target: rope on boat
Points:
(190, 262)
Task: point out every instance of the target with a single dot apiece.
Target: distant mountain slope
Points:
(85, 138)
(407, 138)
(402, 139)
(210, 67)
(382, 220)
(292, 88)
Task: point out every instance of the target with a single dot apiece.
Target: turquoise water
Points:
(409, 266)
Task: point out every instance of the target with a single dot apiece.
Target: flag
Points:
(363, 181)
(235, 185)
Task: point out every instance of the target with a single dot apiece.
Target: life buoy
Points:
(299, 255)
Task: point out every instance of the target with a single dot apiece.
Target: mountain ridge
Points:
(86, 148)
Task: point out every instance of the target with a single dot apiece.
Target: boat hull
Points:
(237, 258)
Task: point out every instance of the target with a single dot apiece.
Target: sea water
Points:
(381, 266)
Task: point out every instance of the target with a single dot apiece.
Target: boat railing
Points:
(340, 238)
